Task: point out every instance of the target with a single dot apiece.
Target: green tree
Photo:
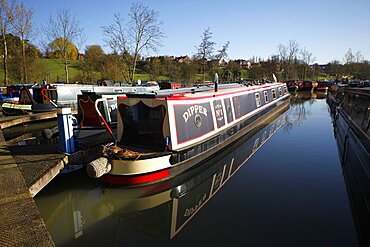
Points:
(94, 56)
(63, 49)
(114, 67)
(32, 55)
(155, 68)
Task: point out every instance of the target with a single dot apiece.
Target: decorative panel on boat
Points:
(192, 121)
(219, 113)
(229, 111)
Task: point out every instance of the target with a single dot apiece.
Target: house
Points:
(183, 59)
(81, 57)
(243, 64)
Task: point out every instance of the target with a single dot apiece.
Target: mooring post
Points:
(66, 139)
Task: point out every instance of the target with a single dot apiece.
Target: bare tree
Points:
(288, 57)
(142, 33)
(293, 49)
(22, 26)
(282, 52)
(115, 35)
(307, 58)
(65, 28)
(205, 49)
(349, 57)
(222, 54)
(6, 17)
(359, 57)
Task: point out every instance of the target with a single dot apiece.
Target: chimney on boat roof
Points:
(215, 80)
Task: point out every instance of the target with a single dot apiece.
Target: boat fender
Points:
(98, 167)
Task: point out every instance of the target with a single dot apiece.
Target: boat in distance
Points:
(162, 134)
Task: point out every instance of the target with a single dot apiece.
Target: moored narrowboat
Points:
(162, 134)
(45, 98)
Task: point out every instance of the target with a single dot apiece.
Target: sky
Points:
(326, 28)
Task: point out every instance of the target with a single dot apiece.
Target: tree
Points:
(142, 33)
(154, 68)
(307, 59)
(359, 57)
(15, 69)
(288, 58)
(63, 49)
(205, 49)
(94, 56)
(222, 54)
(6, 17)
(116, 35)
(114, 67)
(23, 28)
(67, 29)
(349, 57)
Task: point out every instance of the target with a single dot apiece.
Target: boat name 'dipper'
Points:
(194, 110)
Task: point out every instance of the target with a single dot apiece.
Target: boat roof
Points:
(199, 92)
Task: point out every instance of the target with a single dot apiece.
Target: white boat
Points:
(162, 134)
(47, 97)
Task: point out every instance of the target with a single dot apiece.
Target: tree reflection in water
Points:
(300, 108)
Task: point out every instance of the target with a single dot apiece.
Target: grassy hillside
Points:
(55, 69)
(52, 70)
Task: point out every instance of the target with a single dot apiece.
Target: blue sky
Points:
(326, 28)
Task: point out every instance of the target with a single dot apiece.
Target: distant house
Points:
(80, 57)
(243, 64)
(183, 59)
(49, 55)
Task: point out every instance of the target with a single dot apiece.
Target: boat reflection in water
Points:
(351, 121)
(104, 216)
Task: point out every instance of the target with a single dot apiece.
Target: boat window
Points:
(280, 92)
(258, 100)
(143, 126)
(285, 90)
(273, 94)
(266, 98)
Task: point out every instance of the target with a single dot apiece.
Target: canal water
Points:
(281, 185)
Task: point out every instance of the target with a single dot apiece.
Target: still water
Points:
(282, 185)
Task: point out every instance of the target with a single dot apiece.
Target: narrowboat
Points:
(161, 134)
(300, 85)
(350, 111)
(48, 97)
(320, 85)
(162, 209)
